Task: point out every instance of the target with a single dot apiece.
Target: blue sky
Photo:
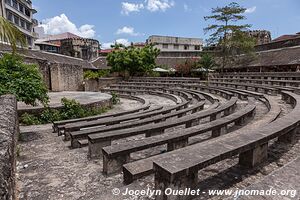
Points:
(135, 20)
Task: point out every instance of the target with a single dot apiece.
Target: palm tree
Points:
(207, 62)
(11, 34)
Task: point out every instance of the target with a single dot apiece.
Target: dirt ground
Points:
(49, 169)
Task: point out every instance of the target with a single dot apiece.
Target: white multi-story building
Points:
(20, 13)
(176, 44)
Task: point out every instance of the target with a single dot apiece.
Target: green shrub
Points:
(28, 119)
(22, 80)
(89, 74)
(115, 98)
(71, 109)
(49, 115)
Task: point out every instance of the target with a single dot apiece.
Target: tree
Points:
(226, 33)
(23, 80)
(133, 60)
(186, 67)
(11, 34)
(206, 62)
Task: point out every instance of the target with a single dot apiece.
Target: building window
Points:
(165, 46)
(16, 20)
(21, 8)
(197, 47)
(27, 12)
(15, 4)
(28, 26)
(8, 2)
(176, 46)
(22, 23)
(186, 47)
(9, 16)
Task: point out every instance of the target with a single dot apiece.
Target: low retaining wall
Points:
(38, 110)
(95, 85)
(9, 130)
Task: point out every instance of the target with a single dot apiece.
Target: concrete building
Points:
(71, 45)
(20, 13)
(261, 36)
(176, 44)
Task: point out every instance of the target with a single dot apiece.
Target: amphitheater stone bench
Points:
(109, 121)
(142, 87)
(152, 84)
(266, 89)
(295, 83)
(179, 169)
(116, 155)
(78, 135)
(224, 90)
(97, 141)
(172, 97)
(144, 107)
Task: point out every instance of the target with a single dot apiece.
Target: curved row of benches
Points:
(178, 169)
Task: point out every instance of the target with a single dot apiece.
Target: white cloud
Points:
(123, 41)
(106, 45)
(159, 5)
(127, 30)
(61, 24)
(251, 10)
(186, 8)
(151, 5)
(131, 7)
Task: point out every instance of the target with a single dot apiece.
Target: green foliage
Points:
(206, 62)
(11, 34)
(29, 119)
(226, 33)
(134, 60)
(23, 80)
(89, 74)
(115, 98)
(70, 110)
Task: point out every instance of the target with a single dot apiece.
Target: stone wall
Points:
(95, 85)
(9, 130)
(65, 77)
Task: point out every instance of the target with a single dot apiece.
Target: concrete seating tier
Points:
(185, 95)
(179, 169)
(117, 120)
(294, 83)
(66, 129)
(157, 83)
(261, 75)
(256, 87)
(97, 141)
(116, 155)
(174, 98)
(79, 135)
(166, 79)
(145, 106)
(281, 85)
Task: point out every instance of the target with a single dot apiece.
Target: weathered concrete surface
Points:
(86, 99)
(283, 179)
(9, 130)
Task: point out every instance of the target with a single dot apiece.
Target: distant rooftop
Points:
(61, 36)
(287, 37)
